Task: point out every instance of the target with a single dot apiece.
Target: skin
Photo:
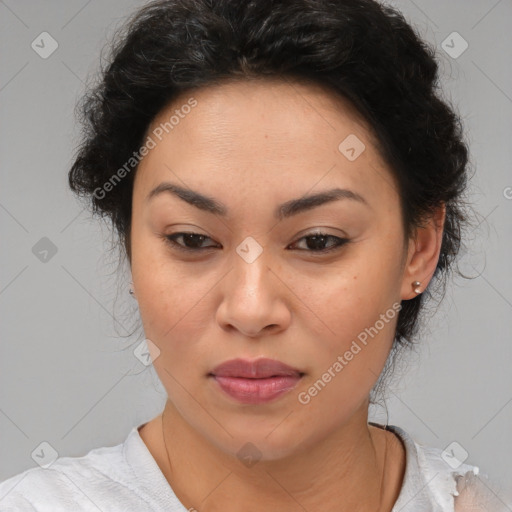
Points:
(252, 146)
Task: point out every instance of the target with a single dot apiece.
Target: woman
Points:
(287, 185)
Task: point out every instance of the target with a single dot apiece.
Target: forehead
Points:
(266, 133)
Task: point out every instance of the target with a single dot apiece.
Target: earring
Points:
(416, 285)
(132, 293)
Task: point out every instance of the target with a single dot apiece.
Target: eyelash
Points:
(170, 239)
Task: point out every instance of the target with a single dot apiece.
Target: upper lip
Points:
(256, 369)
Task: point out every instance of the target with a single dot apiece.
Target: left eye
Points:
(317, 240)
(315, 244)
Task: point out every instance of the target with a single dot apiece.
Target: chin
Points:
(268, 441)
(261, 448)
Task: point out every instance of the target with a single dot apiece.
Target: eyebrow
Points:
(284, 210)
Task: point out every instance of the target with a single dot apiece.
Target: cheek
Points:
(166, 292)
(172, 306)
(348, 297)
(173, 317)
(355, 309)
(349, 355)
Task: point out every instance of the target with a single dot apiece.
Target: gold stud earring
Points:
(415, 286)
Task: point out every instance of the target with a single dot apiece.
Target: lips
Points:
(255, 382)
(257, 369)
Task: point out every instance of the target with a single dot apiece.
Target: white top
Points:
(126, 477)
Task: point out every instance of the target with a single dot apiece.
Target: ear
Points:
(423, 253)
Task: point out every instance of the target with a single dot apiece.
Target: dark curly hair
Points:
(358, 49)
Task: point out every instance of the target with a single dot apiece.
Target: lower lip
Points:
(256, 391)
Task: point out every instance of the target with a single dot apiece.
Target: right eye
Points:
(193, 239)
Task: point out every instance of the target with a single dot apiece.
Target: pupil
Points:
(316, 239)
(192, 237)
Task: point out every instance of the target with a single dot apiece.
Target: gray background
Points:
(68, 375)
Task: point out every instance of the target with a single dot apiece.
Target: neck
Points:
(342, 473)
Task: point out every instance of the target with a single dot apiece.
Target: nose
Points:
(254, 298)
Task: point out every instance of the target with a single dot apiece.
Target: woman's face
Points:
(258, 285)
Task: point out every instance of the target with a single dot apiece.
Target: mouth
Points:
(255, 382)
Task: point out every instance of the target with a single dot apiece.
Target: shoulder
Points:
(69, 483)
(439, 480)
(122, 477)
(476, 493)
(34, 489)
